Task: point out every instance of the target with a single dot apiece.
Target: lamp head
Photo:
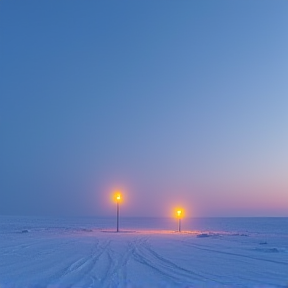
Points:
(118, 197)
(179, 212)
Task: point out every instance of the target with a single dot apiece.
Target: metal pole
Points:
(179, 225)
(117, 216)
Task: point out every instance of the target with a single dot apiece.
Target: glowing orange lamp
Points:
(118, 198)
(179, 216)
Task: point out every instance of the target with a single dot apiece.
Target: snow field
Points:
(75, 258)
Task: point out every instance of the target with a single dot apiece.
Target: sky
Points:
(175, 103)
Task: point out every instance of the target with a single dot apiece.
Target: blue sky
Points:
(174, 102)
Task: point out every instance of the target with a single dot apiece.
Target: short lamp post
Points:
(118, 199)
(179, 215)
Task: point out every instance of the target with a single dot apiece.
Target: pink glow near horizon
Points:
(250, 202)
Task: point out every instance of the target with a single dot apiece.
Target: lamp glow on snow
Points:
(118, 199)
(179, 214)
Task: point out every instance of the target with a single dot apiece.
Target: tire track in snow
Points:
(83, 267)
(112, 267)
(117, 273)
(80, 263)
(202, 247)
(144, 254)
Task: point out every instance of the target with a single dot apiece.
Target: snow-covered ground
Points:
(86, 252)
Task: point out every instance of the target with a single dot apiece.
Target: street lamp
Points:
(179, 215)
(118, 199)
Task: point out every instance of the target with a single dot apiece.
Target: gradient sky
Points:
(174, 102)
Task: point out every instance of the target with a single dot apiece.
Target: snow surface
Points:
(86, 252)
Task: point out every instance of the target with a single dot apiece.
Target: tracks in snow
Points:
(125, 260)
(110, 264)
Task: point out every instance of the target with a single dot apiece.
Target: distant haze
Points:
(175, 103)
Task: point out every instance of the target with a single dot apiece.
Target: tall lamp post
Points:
(179, 215)
(118, 199)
